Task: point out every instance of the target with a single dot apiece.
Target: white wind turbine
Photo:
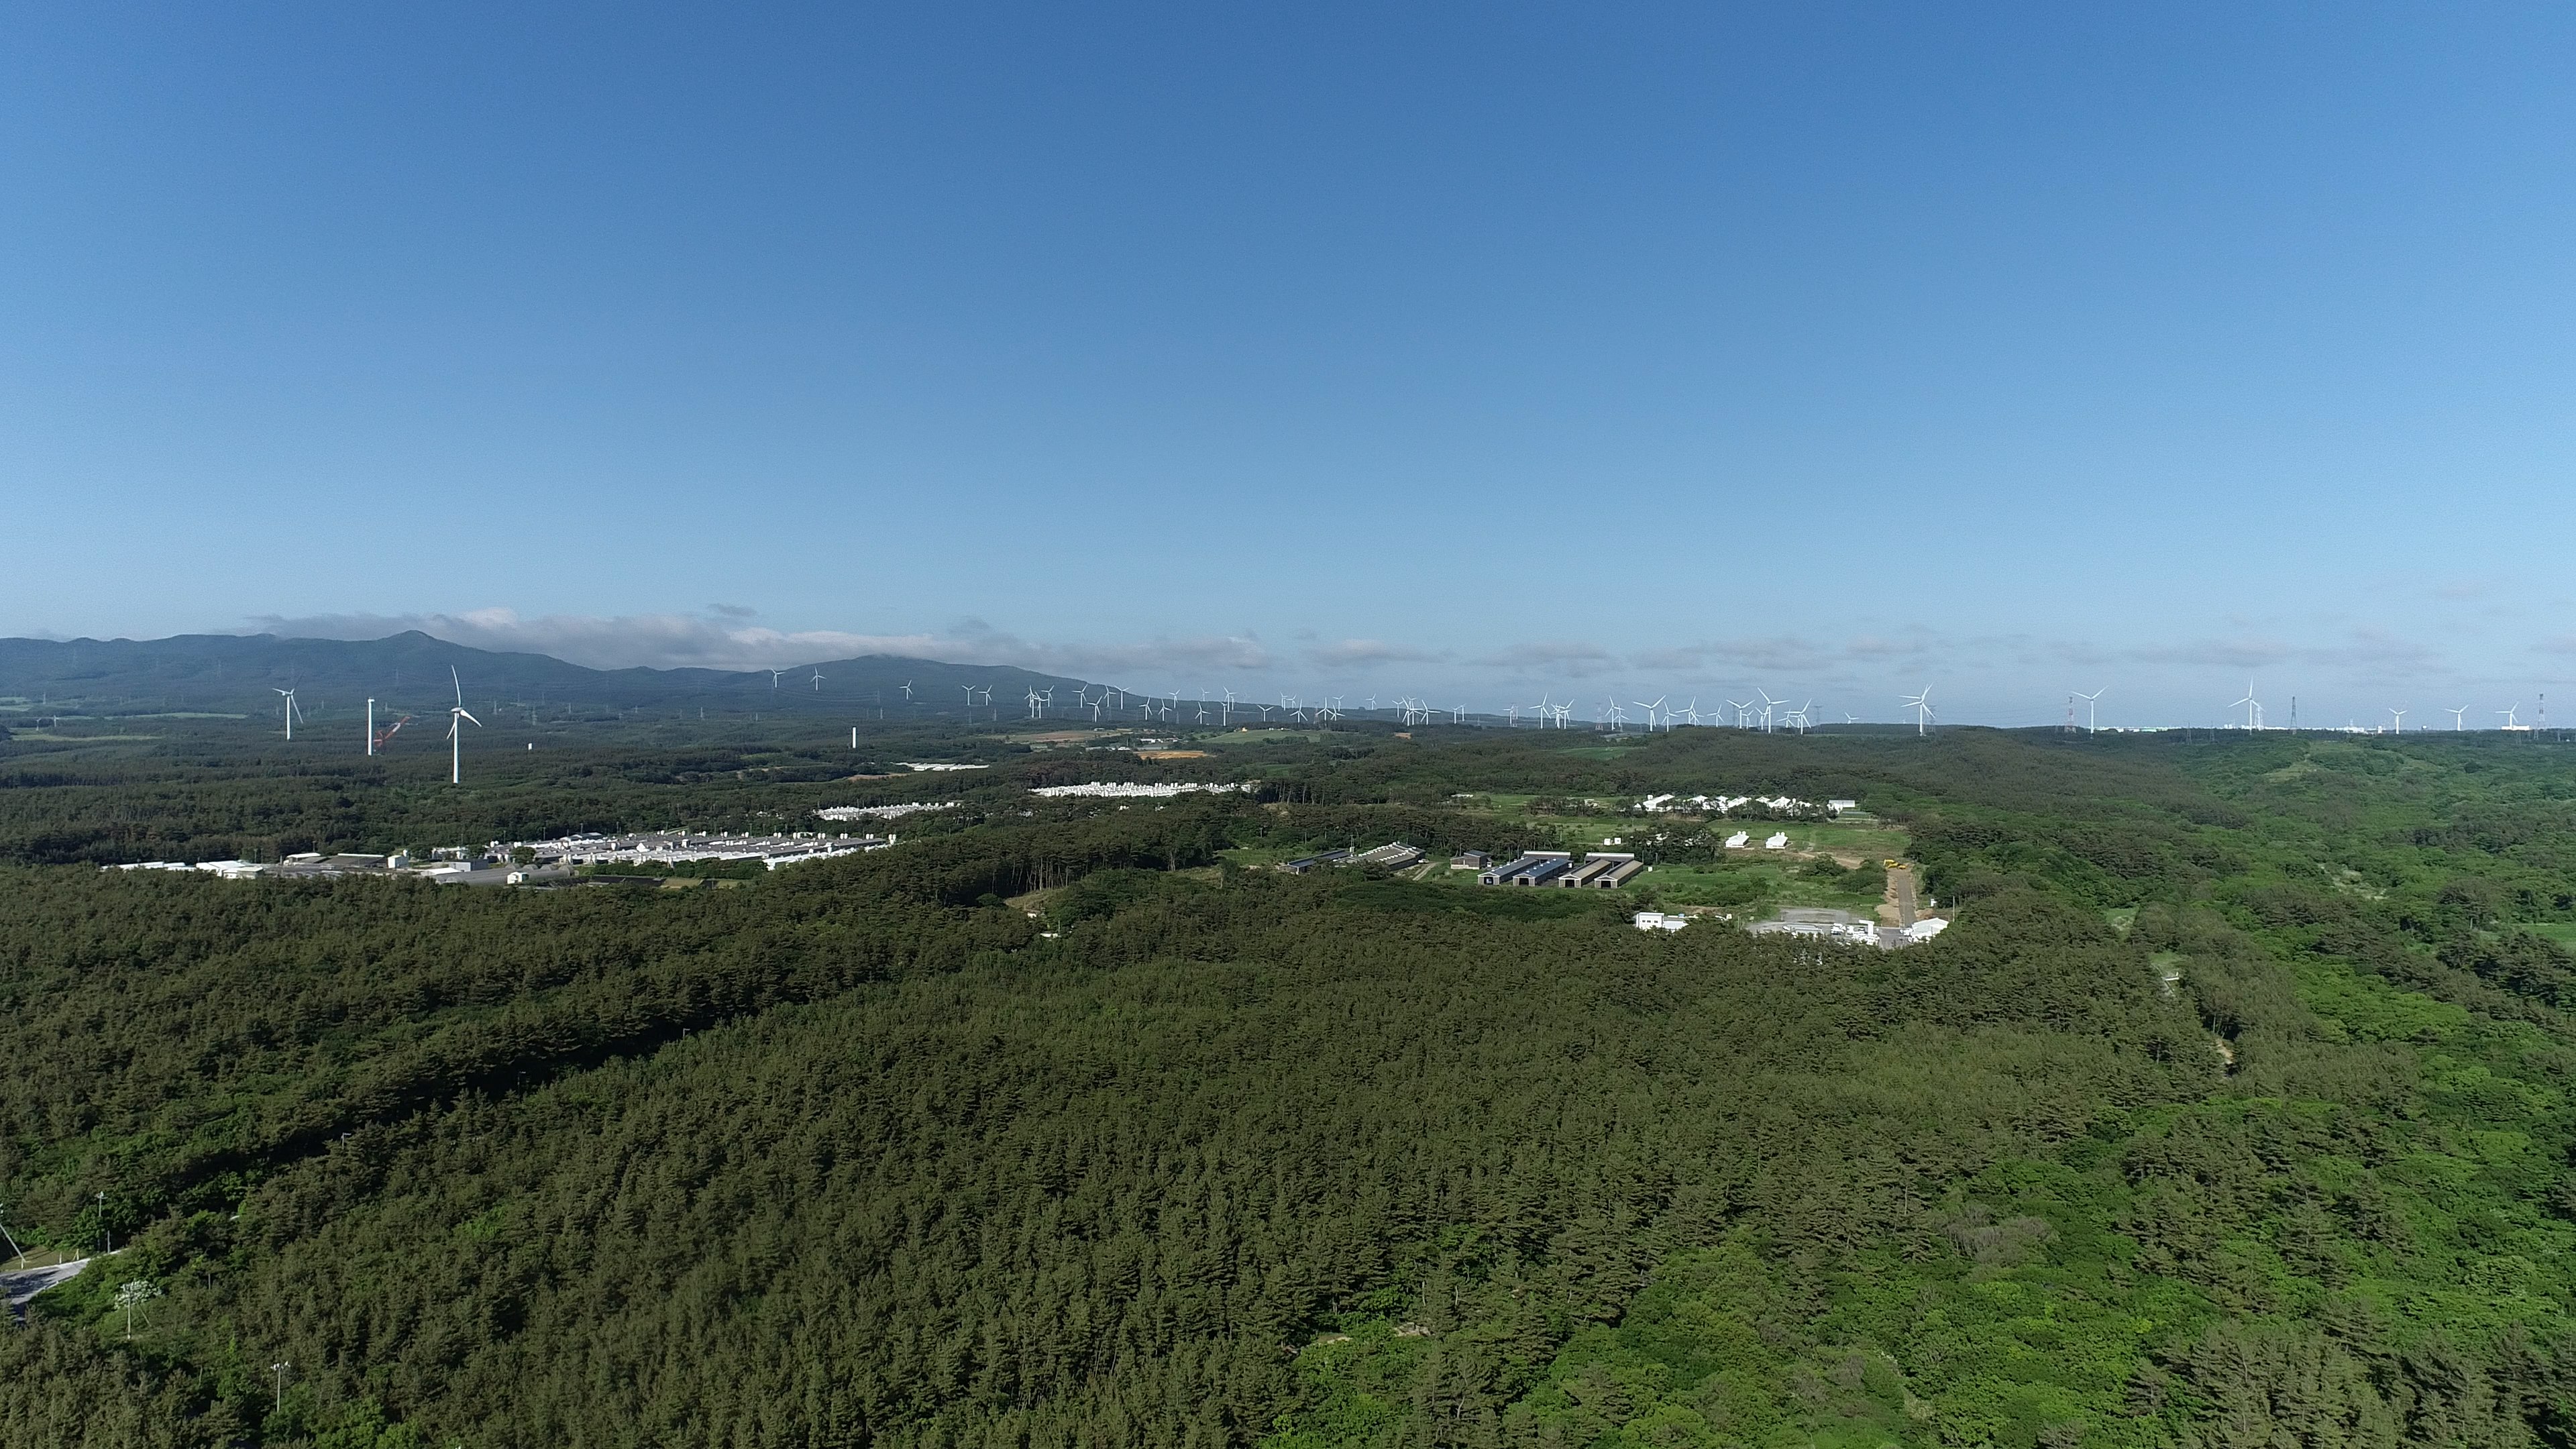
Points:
(1767, 703)
(1921, 704)
(457, 719)
(818, 681)
(1743, 712)
(773, 680)
(2089, 701)
(2399, 715)
(2253, 708)
(291, 710)
(907, 691)
(1651, 710)
(2508, 712)
(2459, 719)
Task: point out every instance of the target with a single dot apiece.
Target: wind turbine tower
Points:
(2089, 701)
(290, 711)
(1921, 704)
(457, 719)
(2253, 708)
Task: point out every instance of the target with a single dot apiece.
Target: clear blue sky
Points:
(1464, 350)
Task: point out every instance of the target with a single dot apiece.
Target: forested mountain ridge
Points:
(410, 670)
(2233, 1109)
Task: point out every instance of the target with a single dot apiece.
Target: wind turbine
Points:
(1921, 704)
(2400, 727)
(1767, 703)
(457, 719)
(2089, 700)
(2459, 719)
(907, 691)
(1651, 709)
(773, 679)
(818, 681)
(2508, 713)
(2253, 708)
(291, 710)
(1743, 712)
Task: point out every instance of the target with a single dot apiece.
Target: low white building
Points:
(1779, 841)
(1125, 789)
(882, 812)
(1659, 921)
(1737, 840)
(1926, 928)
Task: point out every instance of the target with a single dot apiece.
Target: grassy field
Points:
(1758, 886)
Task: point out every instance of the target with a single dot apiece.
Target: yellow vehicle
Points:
(1893, 864)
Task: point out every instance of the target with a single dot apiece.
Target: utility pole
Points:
(102, 1223)
(279, 1368)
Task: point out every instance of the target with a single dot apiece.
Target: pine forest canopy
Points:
(2233, 1109)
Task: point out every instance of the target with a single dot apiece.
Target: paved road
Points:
(24, 1285)
(1900, 881)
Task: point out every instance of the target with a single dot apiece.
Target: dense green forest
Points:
(2232, 1110)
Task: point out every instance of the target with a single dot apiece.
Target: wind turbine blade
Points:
(461, 714)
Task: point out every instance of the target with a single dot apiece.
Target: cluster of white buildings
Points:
(680, 847)
(1847, 928)
(547, 860)
(1131, 790)
(881, 812)
(1725, 804)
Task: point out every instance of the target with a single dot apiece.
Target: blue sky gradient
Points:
(1464, 351)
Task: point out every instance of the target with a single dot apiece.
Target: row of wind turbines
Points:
(2510, 715)
(457, 718)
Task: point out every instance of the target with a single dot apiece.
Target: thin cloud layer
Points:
(726, 639)
(1998, 669)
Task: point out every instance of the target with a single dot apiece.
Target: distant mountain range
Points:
(239, 673)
